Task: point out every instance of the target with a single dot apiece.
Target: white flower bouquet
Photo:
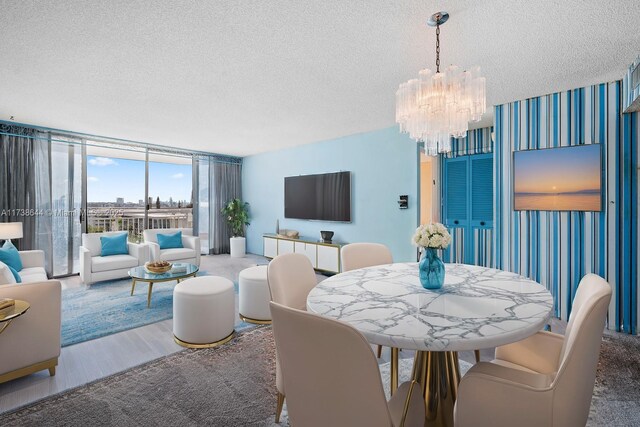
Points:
(435, 236)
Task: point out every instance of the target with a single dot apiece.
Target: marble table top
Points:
(476, 308)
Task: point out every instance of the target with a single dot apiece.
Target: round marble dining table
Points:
(477, 307)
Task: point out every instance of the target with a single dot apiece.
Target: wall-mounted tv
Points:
(558, 179)
(324, 197)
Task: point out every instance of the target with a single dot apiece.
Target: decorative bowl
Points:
(157, 270)
(326, 235)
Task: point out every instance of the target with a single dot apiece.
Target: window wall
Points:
(170, 195)
(116, 188)
(203, 203)
(66, 204)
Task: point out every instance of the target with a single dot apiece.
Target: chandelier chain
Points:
(438, 48)
(437, 107)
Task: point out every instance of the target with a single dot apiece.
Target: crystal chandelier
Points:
(435, 107)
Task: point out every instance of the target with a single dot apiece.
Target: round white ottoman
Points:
(203, 311)
(254, 295)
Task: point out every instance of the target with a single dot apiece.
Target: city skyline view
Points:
(110, 179)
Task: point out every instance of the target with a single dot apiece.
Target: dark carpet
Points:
(234, 385)
(616, 395)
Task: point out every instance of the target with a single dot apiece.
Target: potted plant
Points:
(237, 215)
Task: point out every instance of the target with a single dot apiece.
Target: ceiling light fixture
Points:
(436, 107)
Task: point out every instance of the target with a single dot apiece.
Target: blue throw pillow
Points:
(15, 274)
(170, 241)
(114, 245)
(10, 256)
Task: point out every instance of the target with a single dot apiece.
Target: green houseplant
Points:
(236, 213)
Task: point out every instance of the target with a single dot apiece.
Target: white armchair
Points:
(190, 253)
(31, 342)
(94, 267)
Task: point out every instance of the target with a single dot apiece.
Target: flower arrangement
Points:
(435, 236)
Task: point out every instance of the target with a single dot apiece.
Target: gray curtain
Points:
(226, 184)
(25, 185)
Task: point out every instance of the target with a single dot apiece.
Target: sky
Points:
(109, 178)
(557, 170)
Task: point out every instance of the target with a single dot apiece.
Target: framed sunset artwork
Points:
(558, 179)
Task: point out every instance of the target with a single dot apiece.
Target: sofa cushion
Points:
(33, 274)
(6, 276)
(177, 254)
(170, 241)
(112, 262)
(10, 256)
(114, 245)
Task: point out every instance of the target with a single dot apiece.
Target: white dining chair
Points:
(360, 255)
(332, 377)
(290, 277)
(544, 380)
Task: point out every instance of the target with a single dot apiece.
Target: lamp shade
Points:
(10, 230)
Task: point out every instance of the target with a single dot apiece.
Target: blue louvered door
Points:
(468, 208)
(456, 207)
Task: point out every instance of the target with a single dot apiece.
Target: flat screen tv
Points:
(558, 179)
(324, 197)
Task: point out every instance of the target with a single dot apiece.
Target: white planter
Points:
(238, 245)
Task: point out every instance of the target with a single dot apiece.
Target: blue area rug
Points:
(107, 307)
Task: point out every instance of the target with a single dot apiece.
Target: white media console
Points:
(323, 256)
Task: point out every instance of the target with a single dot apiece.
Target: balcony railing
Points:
(132, 220)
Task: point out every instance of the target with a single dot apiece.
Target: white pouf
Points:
(254, 295)
(203, 311)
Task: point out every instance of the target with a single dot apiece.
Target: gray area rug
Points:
(616, 395)
(234, 385)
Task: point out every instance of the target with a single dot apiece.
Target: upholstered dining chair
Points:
(332, 377)
(544, 380)
(360, 255)
(290, 277)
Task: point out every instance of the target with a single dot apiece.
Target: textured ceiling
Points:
(242, 77)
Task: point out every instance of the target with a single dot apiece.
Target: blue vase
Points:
(431, 269)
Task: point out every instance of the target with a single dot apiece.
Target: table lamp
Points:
(10, 230)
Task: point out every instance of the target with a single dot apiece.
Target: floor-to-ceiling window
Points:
(66, 203)
(116, 182)
(170, 191)
(203, 203)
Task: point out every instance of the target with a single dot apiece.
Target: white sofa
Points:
(31, 342)
(32, 269)
(190, 253)
(95, 268)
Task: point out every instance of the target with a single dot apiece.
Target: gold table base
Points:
(152, 281)
(438, 373)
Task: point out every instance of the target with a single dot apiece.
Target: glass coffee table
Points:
(179, 271)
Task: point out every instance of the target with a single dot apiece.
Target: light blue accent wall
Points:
(383, 165)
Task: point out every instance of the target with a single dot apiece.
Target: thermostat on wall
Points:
(404, 202)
